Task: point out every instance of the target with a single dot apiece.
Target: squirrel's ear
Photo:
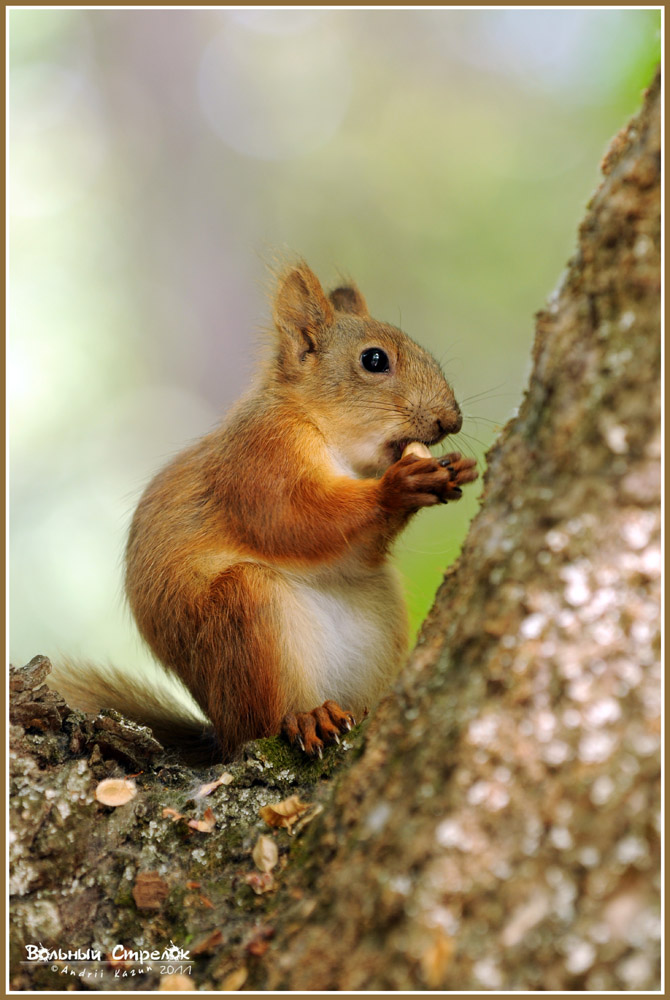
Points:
(301, 309)
(348, 299)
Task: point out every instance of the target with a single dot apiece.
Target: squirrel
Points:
(257, 565)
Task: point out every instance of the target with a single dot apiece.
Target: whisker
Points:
(436, 395)
(442, 361)
(471, 437)
(487, 420)
(485, 394)
(381, 408)
(450, 443)
(405, 399)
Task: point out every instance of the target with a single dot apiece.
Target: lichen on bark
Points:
(87, 876)
(496, 823)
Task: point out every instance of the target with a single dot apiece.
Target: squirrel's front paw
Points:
(461, 470)
(312, 730)
(422, 482)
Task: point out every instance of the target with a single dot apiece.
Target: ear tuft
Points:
(348, 299)
(301, 309)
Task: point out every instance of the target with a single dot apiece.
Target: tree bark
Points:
(496, 824)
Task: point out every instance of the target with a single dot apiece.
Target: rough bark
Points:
(496, 824)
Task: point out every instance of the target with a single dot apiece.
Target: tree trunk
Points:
(496, 824)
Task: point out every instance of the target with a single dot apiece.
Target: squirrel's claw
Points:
(311, 731)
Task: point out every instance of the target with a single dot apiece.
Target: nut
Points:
(416, 448)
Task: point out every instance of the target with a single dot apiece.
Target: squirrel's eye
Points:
(375, 360)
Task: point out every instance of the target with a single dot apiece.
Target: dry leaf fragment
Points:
(176, 983)
(234, 980)
(265, 853)
(207, 944)
(115, 791)
(307, 817)
(436, 958)
(225, 779)
(172, 814)
(204, 825)
(117, 963)
(260, 882)
(283, 813)
(259, 942)
(149, 891)
(257, 947)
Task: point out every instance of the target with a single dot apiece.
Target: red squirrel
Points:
(257, 562)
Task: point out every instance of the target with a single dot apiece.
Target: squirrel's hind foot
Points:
(311, 731)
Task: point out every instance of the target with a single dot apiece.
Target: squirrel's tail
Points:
(176, 726)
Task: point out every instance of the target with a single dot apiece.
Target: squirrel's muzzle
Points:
(449, 422)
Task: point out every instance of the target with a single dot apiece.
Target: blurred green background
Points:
(159, 158)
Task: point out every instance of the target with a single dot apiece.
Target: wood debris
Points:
(149, 891)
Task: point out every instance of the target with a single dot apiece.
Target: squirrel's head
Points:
(367, 385)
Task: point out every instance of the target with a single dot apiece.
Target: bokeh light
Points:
(274, 93)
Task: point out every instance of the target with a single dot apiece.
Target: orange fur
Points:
(295, 498)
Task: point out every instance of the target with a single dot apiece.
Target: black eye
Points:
(375, 360)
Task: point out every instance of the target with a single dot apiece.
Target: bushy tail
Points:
(162, 706)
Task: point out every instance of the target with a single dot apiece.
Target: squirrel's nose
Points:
(452, 423)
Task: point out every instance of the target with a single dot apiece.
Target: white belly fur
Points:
(343, 639)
